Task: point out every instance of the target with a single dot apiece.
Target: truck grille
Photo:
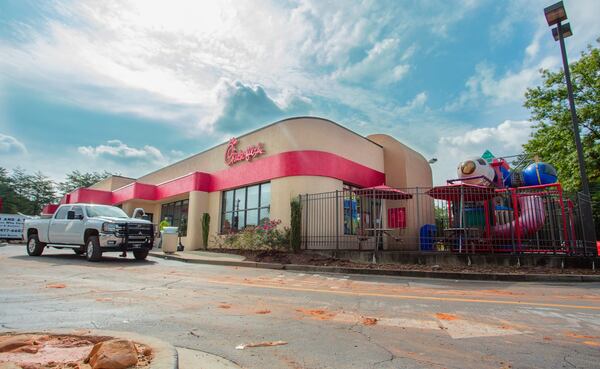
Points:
(135, 232)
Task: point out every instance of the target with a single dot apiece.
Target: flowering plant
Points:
(265, 236)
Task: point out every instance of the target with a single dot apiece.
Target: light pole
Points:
(555, 15)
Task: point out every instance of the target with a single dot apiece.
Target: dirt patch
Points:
(41, 351)
(447, 317)
(580, 336)
(307, 258)
(369, 321)
(56, 285)
(224, 306)
(320, 314)
(263, 312)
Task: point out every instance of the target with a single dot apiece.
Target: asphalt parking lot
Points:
(326, 321)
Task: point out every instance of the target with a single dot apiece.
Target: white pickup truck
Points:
(90, 229)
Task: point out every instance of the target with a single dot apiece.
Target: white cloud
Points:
(417, 102)
(116, 150)
(166, 60)
(379, 65)
(510, 134)
(11, 146)
(485, 86)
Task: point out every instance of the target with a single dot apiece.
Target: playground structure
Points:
(489, 208)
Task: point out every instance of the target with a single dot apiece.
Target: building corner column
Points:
(198, 205)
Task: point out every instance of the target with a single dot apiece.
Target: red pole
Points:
(516, 216)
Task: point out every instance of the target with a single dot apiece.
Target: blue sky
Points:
(130, 86)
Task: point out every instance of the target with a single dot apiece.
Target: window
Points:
(360, 212)
(245, 207)
(62, 213)
(176, 213)
(78, 212)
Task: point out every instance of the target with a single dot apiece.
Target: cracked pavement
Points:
(328, 321)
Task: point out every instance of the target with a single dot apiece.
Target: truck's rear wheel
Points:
(140, 254)
(34, 246)
(92, 248)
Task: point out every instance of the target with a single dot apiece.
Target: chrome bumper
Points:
(110, 240)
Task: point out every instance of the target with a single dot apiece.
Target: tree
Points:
(552, 139)
(11, 201)
(76, 180)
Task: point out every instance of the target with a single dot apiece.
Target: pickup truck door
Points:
(75, 227)
(58, 225)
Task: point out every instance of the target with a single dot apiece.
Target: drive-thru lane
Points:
(328, 321)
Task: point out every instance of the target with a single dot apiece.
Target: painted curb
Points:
(165, 354)
(504, 277)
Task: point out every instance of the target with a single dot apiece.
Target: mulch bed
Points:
(301, 258)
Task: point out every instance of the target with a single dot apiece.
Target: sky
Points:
(130, 86)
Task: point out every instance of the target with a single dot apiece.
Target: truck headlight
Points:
(109, 227)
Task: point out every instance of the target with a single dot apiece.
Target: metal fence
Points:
(454, 218)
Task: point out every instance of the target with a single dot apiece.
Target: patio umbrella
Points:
(382, 192)
(465, 191)
(461, 193)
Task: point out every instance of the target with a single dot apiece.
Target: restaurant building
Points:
(253, 177)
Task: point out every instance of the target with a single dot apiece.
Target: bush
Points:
(205, 229)
(296, 225)
(266, 236)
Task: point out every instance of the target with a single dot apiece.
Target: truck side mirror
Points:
(70, 214)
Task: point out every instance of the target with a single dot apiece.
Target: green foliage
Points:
(263, 237)
(296, 225)
(205, 229)
(76, 180)
(25, 193)
(552, 139)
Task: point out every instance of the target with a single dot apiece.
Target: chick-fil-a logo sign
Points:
(232, 155)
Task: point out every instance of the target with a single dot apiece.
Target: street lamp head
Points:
(555, 13)
(566, 31)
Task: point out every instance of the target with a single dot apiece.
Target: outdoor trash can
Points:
(169, 242)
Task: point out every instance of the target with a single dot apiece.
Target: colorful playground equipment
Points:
(493, 208)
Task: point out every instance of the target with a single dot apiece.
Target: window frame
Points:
(242, 211)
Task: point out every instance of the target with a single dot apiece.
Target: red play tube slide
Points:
(531, 218)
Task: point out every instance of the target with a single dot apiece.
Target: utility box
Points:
(169, 239)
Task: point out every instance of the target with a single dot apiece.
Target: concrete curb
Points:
(165, 354)
(397, 273)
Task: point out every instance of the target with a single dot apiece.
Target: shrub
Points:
(205, 229)
(266, 236)
(296, 225)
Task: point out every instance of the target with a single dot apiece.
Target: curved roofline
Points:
(259, 129)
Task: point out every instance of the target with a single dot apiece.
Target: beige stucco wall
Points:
(403, 167)
(288, 135)
(112, 183)
(197, 207)
(407, 169)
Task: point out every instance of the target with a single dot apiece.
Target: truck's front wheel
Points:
(140, 254)
(92, 248)
(34, 246)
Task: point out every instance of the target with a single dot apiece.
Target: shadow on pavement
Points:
(106, 262)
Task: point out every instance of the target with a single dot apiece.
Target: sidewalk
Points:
(216, 258)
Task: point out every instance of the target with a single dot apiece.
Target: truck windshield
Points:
(105, 211)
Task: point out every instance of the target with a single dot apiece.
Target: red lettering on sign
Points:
(232, 155)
